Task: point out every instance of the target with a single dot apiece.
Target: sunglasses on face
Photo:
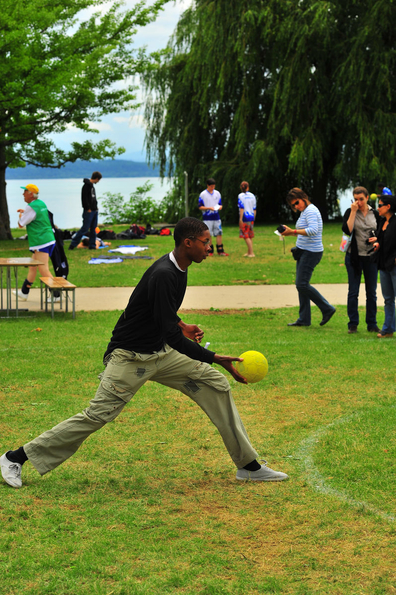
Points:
(294, 204)
(205, 243)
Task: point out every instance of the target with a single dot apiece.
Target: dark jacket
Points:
(345, 229)
(386, 255)
(88, 196)
(58, 256)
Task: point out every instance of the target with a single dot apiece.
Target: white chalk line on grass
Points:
(316, 479)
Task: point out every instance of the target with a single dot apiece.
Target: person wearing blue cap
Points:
(385, 252)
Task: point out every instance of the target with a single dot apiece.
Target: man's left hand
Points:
(226, 362)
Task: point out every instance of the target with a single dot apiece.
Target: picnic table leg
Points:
(8, 291)
(16, 291)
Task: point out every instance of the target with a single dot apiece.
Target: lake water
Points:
(63, 196)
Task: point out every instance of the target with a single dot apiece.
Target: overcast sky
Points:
(125, 128)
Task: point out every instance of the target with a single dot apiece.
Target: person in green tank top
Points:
(40, 236)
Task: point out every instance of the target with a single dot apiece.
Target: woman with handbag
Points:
(385, 253)
(360, 223)
(308, 253)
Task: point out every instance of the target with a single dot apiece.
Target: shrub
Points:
(140, 208)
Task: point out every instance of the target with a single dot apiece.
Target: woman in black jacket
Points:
(385, 250)
(361, 221)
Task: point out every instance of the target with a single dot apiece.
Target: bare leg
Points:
(249, 244)
(43, 258)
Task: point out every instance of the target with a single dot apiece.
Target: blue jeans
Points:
(307, 293)
(90, 222)
(388, 287)
(370, 273)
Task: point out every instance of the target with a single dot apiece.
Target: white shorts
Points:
(214, 227)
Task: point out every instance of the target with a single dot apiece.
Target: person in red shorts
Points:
(247, 214)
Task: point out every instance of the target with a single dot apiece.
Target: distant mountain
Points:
(119, 168)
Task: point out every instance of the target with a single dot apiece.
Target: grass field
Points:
(271, 266)
(150, 504)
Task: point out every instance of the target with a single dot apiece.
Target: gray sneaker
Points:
(263, 474)
(11, 472)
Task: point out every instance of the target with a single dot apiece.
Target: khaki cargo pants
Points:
(124, 374)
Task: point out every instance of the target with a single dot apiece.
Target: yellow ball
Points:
(254, 366)
(373, 196)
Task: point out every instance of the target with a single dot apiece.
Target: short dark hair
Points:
(96, 175)
(389, 199)
(188, 227)
(360, 190)
(210, 181)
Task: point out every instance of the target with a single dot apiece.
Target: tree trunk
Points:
(5, 230)
(319, 192)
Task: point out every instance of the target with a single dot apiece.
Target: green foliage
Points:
(278, 93)
(140, 208)
(62, 65)
(174, 203)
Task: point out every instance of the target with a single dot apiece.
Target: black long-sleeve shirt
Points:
(150, 319)
(386, 255)
(88, 196)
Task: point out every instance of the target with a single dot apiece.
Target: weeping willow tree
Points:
(334, 100)
(209, 99)
(279, 93)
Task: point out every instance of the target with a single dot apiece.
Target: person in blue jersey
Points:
(308, 254)
(150, 342)
(382, 189)
(247, 214)
(209, 203)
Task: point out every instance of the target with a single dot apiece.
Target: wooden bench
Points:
(61, 285)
